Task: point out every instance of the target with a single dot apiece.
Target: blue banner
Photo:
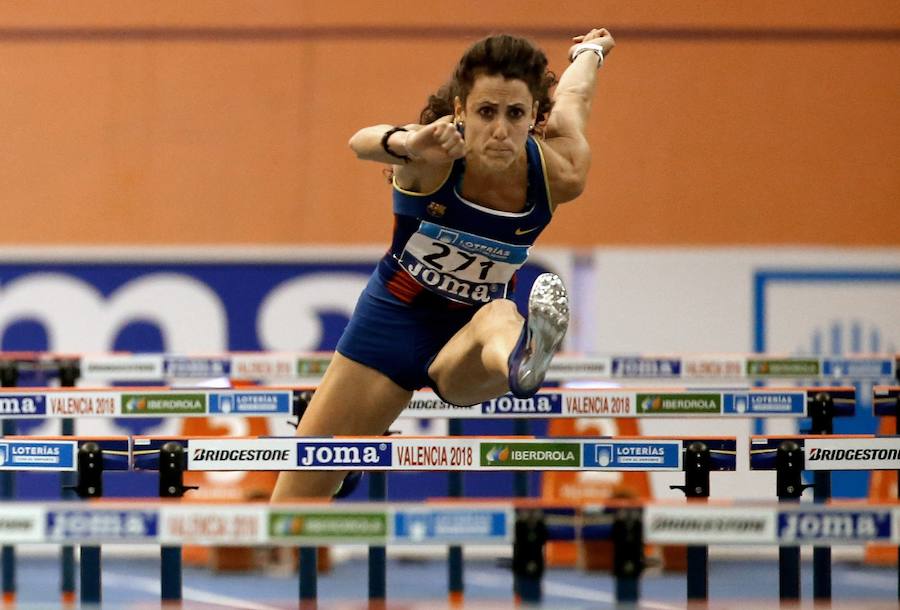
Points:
(449, 525)
(625, 455)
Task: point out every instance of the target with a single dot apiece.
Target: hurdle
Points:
(307, 367)
(886, 403)
(628, 525)
(446, 454)
(790, 455)
(550, 403)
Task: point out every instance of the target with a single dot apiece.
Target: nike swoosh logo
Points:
(526, 231)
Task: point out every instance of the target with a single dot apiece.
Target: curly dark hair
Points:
(509, 56)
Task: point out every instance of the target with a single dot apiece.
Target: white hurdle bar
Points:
(308, 367)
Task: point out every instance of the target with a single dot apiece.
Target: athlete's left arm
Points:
(567, 153)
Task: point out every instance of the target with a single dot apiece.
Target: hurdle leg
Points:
(822, 554)
(68, 377)
(521, 427)
(528, 555)
(91, 585)
(9, 377)
(8, 492)
(309, 574)
(822, 414)
(628, 550)
(897, 472)
(170, 573)
(377, 554)
(455, 584)
(789, 486)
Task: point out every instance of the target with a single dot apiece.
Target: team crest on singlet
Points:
(461, 266)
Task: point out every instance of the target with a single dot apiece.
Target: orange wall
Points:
(210, 122)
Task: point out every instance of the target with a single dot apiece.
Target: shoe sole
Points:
(548, 320)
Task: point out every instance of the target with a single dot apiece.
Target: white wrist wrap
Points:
(588, 46)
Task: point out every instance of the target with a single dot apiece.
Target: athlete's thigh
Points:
(471, 367)
(352, 400)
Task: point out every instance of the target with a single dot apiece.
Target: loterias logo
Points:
(37, 455)
(250, 402)
(530, 454)
(22, 404)
(542, 403)
(634, 454)
(343, 454)
(679, 403)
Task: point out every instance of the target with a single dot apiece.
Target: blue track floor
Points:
(134, 583)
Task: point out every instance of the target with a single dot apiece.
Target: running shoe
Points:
(542, 333)
(348, 485)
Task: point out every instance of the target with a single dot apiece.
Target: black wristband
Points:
(387, 149)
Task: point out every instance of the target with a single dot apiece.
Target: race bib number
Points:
(461, 266)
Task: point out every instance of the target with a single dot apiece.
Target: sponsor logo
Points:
(22, 404)
(783, 368)
(436, 209)
(646, 367)
(250, 402)
(312, 367)
(520, 231)
(862, 454)
(858, 368)
(699, 524)
(530, 454)
(765, 403)
(679, 403)
(172, 404)
(624, 455)
(105, 524)
(800, 526)
(430, 404)
(196, 367)
(139, 368)
(343, 454)
(450, 525)
(201, 454)
(492, 249)
(542, 403)
(31, 455)
(449, 285)
(327, 525)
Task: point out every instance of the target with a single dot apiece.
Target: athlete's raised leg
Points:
(352, 400)
(500, 351)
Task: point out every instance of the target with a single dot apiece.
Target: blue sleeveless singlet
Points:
(448, 257)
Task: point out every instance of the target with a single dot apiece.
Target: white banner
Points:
(709, 525)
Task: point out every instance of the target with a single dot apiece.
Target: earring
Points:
(531, 128)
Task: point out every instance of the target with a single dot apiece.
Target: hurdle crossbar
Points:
(142, 402)
(469, 454)
(308, 367)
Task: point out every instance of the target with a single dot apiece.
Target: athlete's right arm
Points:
(430, 148)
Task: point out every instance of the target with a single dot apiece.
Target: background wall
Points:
(226, 122)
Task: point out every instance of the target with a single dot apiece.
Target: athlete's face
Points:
(497, 115)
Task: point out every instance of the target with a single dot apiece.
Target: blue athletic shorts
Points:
(398, 339)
